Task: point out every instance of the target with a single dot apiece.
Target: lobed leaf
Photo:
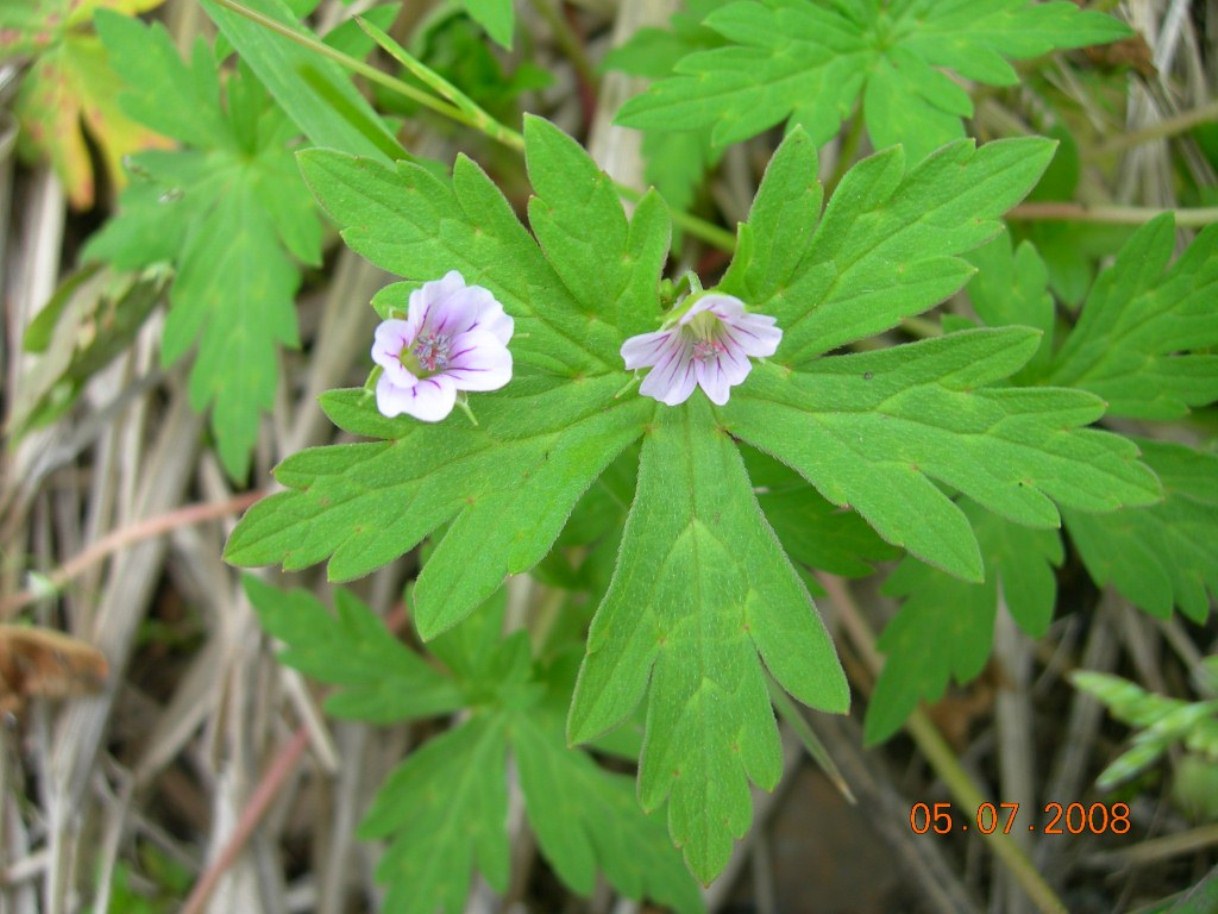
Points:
(233, 297)
(382, 681)
(537, 504)
(815, 534)
(408, 221)
(701, 587)
(453, 794)
(586, 819)
(1165, 554)
(876, 430)
(508, 485)
(611, 266)
(888, 245)
(653, 52)
(315, 92)
(772, 245)
(1137, 340)
(957, 616)
(154, 73)
(809, 64)
(778, 57)
(229, 213)
(542, 442)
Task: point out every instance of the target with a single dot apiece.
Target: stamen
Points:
(432, 351)
(706, 350)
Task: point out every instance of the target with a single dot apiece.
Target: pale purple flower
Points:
(454, 338)
(708, 346)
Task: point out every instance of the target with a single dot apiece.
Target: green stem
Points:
(802, 729)
(369, 72)
(712, 234)
(921, 327)
(477, 117)
(1113, 215)
(483, 122)
(1159, 131)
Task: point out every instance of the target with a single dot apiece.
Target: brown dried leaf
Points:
(44, 663)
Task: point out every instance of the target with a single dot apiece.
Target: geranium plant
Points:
(869, 376)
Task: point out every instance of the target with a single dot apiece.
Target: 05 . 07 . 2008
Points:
(1071, 818)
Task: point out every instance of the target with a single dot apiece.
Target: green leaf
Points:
(231, 214)
(390, 217)
(777, 57)
(510, 528)
(676, 165)
(811, 63)
(1165, 554)
(876, 430)
(382, 681)
(496, 16)
(354, 410)
(1199, 899)
(702, 585)
(653, 52)
(1162, 722)
(957, 617)
(314, 91)
(1011, 289)
(772, 244)
(814, 533)
(510, 483)
(445, 809)
(888, 245)
(585, 818)
(234, 296)
(578, 220)
(700, 589)
(196, 117)
(1137, 339)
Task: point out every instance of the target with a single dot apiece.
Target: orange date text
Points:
(1057, 819)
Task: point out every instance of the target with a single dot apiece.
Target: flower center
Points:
(706, 350)
(705, 327)
(428, 355)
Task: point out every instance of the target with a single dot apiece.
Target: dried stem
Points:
(275, 777)
(118, 539)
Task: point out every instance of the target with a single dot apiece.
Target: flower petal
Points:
(645, 350)
(725, 307)
(672, 380)
(393, 336)
(718, 375)
(479, 361)
(754, 335)
(430, 399)
(453, 308)
(713, 380)
(494, 320)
